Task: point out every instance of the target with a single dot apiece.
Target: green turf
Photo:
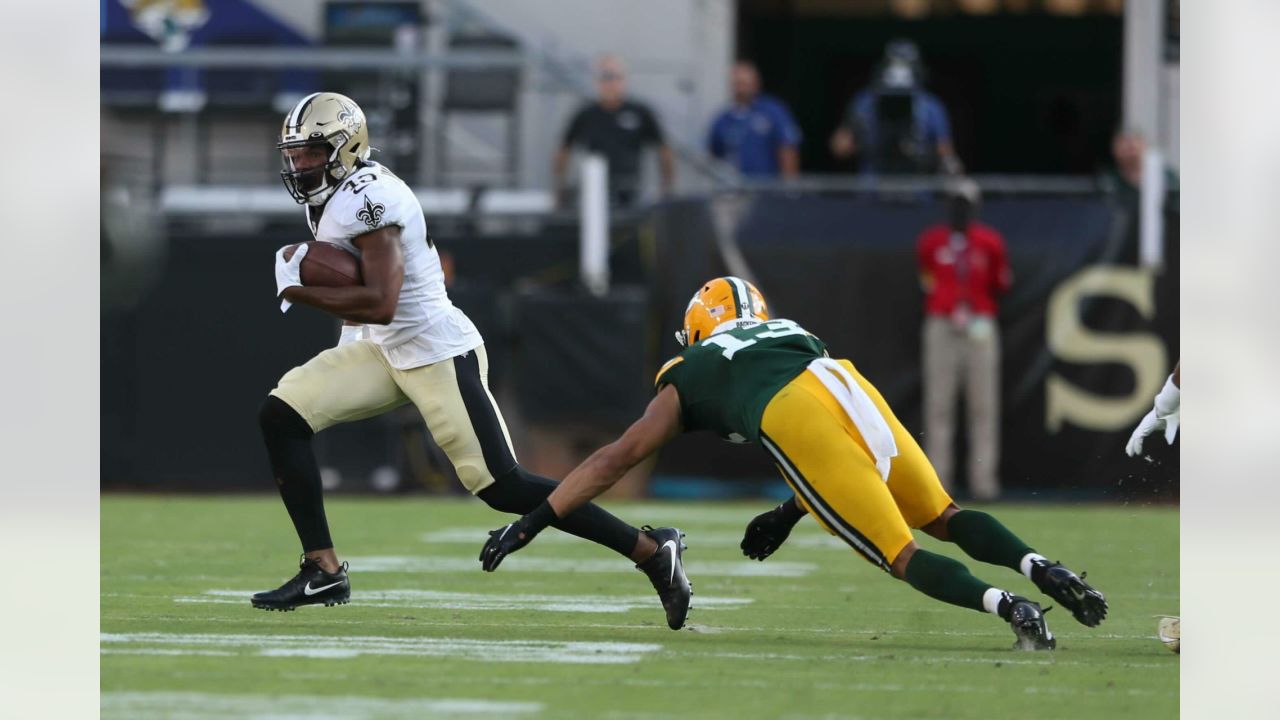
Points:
(838, 639)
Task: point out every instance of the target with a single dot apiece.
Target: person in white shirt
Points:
(403, 341)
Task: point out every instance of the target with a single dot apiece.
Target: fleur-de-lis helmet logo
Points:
(349, 116)
(372, 213)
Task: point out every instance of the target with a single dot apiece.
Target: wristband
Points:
(791, 511)
(538, 520)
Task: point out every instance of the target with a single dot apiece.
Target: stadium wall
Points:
(1088, 335)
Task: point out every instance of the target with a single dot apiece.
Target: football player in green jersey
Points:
(851, 463)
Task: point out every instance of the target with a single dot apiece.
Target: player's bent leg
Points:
(924, 504)
(948, 580)
(454, 398)
(985, 538)
(288, 440)
(339, 384)
(817, 448)
(519, 491)
(320, 578)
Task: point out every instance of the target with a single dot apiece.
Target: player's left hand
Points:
(1152, 423)
(765, 533)
(289, 272)
(504, 541)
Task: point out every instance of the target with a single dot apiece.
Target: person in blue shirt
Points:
(756, 134)
(896, 126)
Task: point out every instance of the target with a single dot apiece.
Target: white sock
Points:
(1027, 561)
(991, 600)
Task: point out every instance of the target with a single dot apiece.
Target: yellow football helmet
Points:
(333, 123)
(719, 301)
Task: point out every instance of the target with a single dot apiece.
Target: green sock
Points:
(942, 578)
(982, 537)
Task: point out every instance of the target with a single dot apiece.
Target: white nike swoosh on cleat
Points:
(308, 590)
(671, 545)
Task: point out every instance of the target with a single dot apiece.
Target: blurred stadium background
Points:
(468, 101)
(1064, 112)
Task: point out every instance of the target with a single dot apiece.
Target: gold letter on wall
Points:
(1071, 341)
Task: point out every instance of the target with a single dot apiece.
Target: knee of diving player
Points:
(899, 567)
(938, 527)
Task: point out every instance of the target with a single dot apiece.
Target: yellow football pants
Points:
(824, 459)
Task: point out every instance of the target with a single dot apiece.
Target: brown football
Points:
(328, 265)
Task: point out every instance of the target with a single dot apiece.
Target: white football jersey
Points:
(427, 328)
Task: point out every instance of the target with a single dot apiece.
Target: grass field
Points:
(567, 629)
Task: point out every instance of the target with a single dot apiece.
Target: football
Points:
(328, 265)
(1169, 631)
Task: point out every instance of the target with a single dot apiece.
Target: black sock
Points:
(942, 578)
(288, 439)
(520, 491)
(984, 538)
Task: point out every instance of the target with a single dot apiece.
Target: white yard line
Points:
(714, 538)
(590, 653)
(440, 600)
(205, 706)
(924, 659)
(526, 563)
(164, 651)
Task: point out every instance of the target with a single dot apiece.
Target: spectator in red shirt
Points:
(963, 268)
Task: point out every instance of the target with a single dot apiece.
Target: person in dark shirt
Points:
(617, 128)
(896, 125)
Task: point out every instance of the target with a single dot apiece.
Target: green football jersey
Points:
(726, 380)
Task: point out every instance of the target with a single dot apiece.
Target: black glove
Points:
(767, 531)
(510, 538)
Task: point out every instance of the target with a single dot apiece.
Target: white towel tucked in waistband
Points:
(860, 409)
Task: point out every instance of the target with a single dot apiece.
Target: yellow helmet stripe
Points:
(741, 297)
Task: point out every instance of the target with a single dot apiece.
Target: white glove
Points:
(289, 272)
(351, 333)
(1163, 417)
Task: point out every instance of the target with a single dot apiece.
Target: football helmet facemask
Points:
(331, 123)
(723, 300)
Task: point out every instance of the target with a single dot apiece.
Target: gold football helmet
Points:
(724, 299)
(333, 125)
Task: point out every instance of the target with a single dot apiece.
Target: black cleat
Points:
(311, 586)
(1027, 620)
(1086, 605)
(666, 571)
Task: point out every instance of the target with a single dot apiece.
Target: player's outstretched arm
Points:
(660, 423)
(374, 302)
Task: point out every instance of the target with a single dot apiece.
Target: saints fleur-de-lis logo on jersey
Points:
(371, 215)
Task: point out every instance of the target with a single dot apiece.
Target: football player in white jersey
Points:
(403, 341)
